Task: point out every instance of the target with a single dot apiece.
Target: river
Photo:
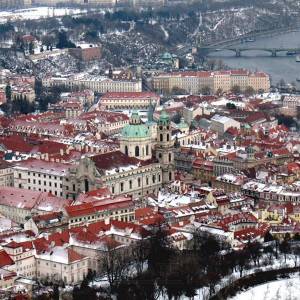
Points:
(280, 67)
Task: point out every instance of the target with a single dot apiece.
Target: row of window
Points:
(102, 216)
(39, 175)
(52, 264)
(44, 182)
(139, 183)
(45, 190)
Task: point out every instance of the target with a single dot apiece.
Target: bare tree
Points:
(255, 252)
(220, 65)
(211, 64)
(139, 253)
(296, 253)
(206, 90)
(115, 263)
(236, 89)
(249, 91)
(242, 261)
(284, 248)
(219, 92)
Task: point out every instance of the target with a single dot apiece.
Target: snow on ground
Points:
(224, 101)
(203, 293)
(37, 13)
(280, 289)
(165, 32)
(217, 25)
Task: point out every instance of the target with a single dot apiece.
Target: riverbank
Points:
(282, 67)
(269, 33)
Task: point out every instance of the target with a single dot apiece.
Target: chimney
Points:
(61, 152)
(107, 221)
(68, 150)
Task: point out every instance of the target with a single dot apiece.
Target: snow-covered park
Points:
(37, 13)
(285, 289)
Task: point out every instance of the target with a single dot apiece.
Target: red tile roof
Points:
(5, 259)
(237, 218)
(47, 216)
(24, 245)
(255, 117)
(247, 234)
(43, 166)
(99, 194)
(29, 199)
(83, 209)
(16, 143)
(148, 216)
(104, 117)
(74, 256)
(115, 159)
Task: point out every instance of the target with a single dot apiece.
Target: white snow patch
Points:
(280, 289)
(37, 13)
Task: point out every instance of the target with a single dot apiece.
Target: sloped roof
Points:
(5, 259)
(115, 159)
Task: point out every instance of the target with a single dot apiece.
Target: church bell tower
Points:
(165, 147)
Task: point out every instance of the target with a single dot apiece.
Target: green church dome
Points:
(135, 128)
(135, 131)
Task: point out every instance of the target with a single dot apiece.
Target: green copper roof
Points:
(166, 55)
(135, 131)
(164, 115)
(164, 118)
(135, 118)
(182, 124)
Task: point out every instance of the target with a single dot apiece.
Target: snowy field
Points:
(37, 13)
(285, 289)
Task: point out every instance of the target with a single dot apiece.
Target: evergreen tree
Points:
(55, 292)
(31, 48)
(8, 99)
(63, 41)
(8, 93)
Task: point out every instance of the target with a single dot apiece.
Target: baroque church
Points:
(143, 165)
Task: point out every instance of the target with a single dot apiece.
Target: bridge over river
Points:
(238, 51)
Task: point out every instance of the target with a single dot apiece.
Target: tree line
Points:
(153, 268)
